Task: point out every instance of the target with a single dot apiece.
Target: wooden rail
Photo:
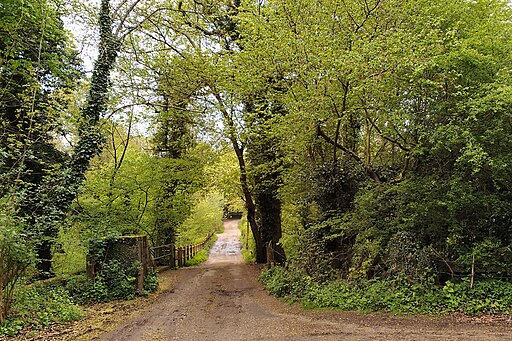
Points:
(173, 256)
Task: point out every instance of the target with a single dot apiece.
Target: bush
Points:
(115, 281)
(396, 295)
(282, 283)
(276, 281)
(40, 306)
(150, 282)
(79, 288)
(199, 258)
(16, 255)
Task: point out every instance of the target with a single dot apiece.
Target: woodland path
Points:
(222, 300)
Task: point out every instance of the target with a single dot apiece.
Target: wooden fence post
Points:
(142, 251)
(172, 254)
(175, 256)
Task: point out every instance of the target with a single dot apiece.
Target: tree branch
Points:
(351, 153)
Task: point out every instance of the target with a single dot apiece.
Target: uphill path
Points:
(222, 300)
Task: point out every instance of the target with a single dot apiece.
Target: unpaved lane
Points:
(222, 300)
(226, 249)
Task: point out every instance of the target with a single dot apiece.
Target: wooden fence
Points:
(170, 255)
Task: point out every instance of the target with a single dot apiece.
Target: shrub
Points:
(115, 281)
(150, 282)
(79, 288)
(40, 306)
(199, 258)
(16, 255)
(396, 295)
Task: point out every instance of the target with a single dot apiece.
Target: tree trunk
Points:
(2, 309)
(249, 204)
(269, 214)
(248, 199)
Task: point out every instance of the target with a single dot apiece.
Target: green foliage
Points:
(54, 302)
(38, 75)
(382, 143)
(144, 194)
(282, 283)
(40, 306)
(11, 327)
(70, 250)
(395, 143)
(80, 288)
(205, 217)
(117, 284)
(200, 257)
(150, 282)
(16, 255)
(247, 240)
(396, 295)
(222, 175)
(115, 281)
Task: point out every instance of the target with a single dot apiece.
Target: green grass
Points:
(199, 258)
(202, 256)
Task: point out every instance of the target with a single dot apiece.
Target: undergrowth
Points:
(247, 240)
(41, 305)
(395, 295)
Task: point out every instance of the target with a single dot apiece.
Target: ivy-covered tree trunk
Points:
(58, 191)
(269, 222)
(266, 171)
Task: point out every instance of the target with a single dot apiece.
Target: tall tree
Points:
(38, 72)
(244, 116)
(56, 190)
(385, 89)
(37, 69)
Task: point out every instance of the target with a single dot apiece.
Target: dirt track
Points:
(222, 300)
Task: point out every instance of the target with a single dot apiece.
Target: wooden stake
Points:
(472, 273)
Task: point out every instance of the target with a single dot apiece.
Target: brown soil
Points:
(222, 300)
